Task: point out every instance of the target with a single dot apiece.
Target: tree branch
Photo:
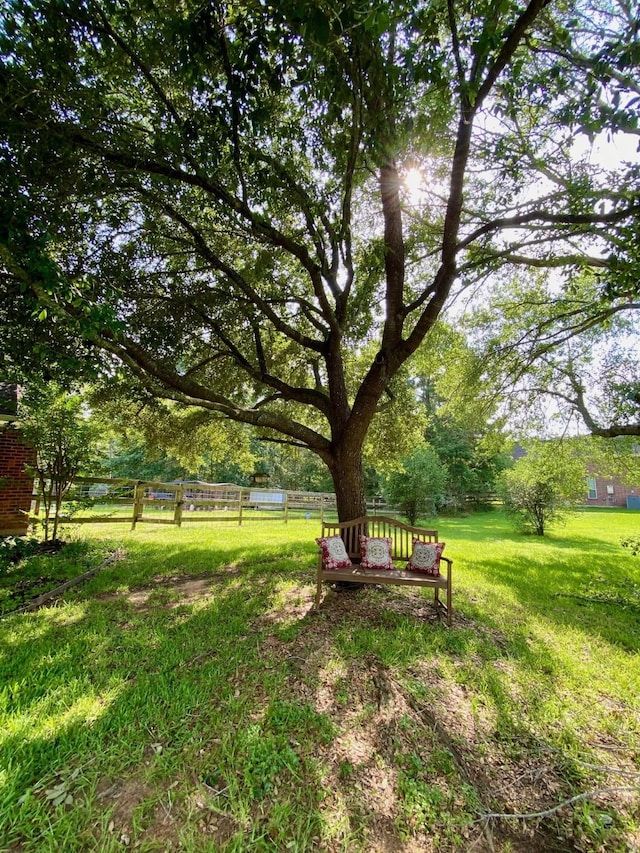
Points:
(543, 216)
(306, 207)
(235, 110)
(613, 431)
(455, 41)
(205, 251)
(260, 227)
(176, 387)
(555, 262)
(170, 384)
(512, 42)
(394, 254)
(579, 798)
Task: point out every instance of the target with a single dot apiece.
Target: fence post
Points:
(138, 503)
(177, 515)
(286, 507)
(240, 507)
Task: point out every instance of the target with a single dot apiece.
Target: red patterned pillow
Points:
(334, 554)
(376, 552)
(426, 557)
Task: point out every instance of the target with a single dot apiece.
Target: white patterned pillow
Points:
(376, 552)
(334, 554)
(426, 557)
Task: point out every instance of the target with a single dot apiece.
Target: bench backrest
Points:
(401, 535)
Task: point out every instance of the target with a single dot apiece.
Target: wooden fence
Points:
(94, 500)
(103, 500)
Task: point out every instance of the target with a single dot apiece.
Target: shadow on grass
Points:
(121, 691)
(236, 718)
(139, 709)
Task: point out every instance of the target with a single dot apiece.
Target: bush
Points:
(633, 544)
(13, 549)
(543, 486)
(55, 423)
(418, 487)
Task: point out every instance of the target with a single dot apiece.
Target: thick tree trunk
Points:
(348, 480)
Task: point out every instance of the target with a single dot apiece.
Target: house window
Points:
(592, 492)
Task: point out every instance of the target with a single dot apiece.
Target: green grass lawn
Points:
(187, 698)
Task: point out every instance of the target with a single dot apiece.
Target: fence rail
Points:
(105, 500)
(93, 500)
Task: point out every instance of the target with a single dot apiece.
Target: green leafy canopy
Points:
(215, 195)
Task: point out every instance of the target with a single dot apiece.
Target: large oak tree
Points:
(217, 194)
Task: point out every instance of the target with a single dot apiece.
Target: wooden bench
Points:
(402, 536)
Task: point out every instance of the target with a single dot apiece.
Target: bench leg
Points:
(438, 604)
(318, 592)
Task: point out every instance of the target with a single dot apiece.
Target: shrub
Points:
(55, 423)
(543, 486)
(15, 548)
(418, 487)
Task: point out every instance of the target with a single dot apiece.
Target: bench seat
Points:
(402, 536)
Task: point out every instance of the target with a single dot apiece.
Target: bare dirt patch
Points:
(180, 590)
(212, 823)
(125, 799)
(159, 815)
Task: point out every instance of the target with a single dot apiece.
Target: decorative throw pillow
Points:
(334, 554)
(426, 557)
(376, 552)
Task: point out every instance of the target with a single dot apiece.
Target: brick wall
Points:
(15, 485)
(610, 492)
